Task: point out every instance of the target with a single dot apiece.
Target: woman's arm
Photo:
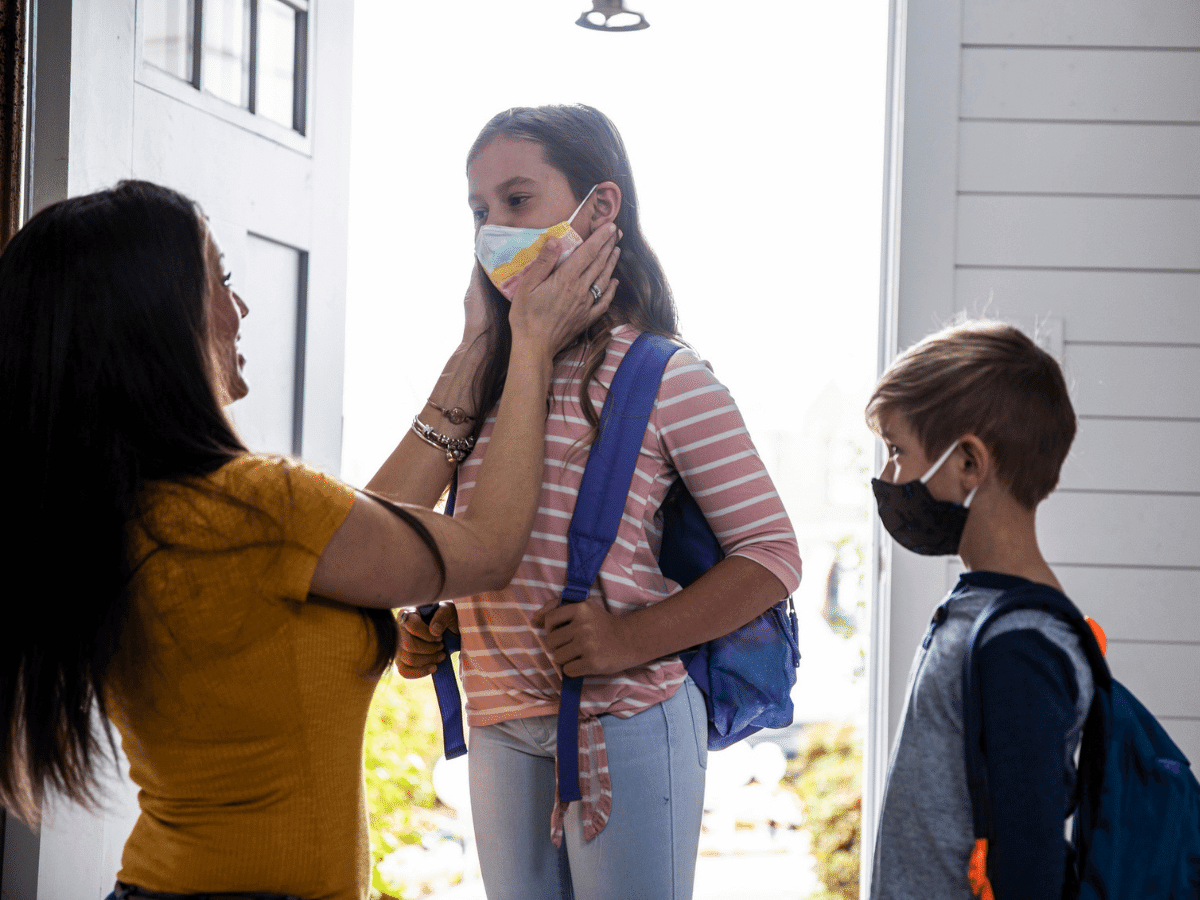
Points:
(375, 559)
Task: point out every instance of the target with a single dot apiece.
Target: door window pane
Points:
(168, 36)
(226, 51)
(273, 287)
(275, 97)
(252, 54)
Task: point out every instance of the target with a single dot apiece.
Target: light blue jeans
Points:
(647, 850)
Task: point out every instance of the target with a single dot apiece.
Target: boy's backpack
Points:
(1137, 823)
(746, 676)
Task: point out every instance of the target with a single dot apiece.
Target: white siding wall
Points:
(1045, 170)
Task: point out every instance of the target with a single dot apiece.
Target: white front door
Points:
(243, 105)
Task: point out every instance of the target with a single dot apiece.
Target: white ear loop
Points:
(937, 465)
(571, 218)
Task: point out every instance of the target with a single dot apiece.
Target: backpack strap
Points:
(445, 685)
(1030, 596)
(599, 507)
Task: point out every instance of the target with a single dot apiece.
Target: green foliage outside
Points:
(402, 743)
(827, 776)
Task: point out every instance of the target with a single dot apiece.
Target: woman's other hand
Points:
(421, 647)
(552, 305)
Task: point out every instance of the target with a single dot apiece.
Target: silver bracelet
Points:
(456, 449)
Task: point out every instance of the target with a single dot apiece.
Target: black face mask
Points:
(916, 519)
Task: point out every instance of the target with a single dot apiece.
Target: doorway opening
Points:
(757, 141)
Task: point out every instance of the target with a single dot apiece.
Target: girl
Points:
(563, 170)
(180, 577)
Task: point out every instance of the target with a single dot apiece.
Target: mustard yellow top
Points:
(240, 701)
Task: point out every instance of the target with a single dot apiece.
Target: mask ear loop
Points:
(571, 218)
(937, 465)
(966, 504)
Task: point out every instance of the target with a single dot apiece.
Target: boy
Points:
(977, 423)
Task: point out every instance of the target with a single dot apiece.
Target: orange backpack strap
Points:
(1101, 637)
(977, 872)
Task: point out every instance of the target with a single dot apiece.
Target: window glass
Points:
(225, 70)
(249, 53)
(273, 289)
(275, 95)
(167, 41)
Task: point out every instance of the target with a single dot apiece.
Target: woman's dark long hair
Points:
(106, 383)
(586, 147)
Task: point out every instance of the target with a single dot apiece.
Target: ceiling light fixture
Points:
(611, 15)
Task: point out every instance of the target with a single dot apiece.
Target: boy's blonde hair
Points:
(988, 379)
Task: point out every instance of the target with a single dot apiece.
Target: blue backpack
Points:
(746, 676)
(1137, 823)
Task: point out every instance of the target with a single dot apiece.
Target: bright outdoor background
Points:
(755, 131)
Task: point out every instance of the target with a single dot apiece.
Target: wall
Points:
(1079, 198)
(1045, 169)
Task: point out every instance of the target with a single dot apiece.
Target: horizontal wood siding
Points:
(1079, 158)
(1118, 455)
(1095, 305)
(1097, 23)
(1078, 232)
(1078, 209)
(1143, 381)
(1159, 530)
(1078, 84)
(1139, 603)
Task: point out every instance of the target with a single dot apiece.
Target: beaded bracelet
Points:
(457, 449)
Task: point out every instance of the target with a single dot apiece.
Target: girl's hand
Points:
(553, 306)
(585, 639)
(421, 647)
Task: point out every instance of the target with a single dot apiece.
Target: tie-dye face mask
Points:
(506, 252)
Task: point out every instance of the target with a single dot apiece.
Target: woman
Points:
(180, 577)
(642, 737)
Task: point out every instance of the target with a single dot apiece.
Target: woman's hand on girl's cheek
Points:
(585, 639)
(553, 306)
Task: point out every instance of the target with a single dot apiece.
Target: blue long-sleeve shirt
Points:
(1036, 690)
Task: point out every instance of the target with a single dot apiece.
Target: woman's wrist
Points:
(456, 448)
(527, 356)
(454, 389)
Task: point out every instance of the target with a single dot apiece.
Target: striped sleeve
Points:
(701, 431)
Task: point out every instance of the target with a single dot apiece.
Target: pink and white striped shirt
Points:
(696, 433)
